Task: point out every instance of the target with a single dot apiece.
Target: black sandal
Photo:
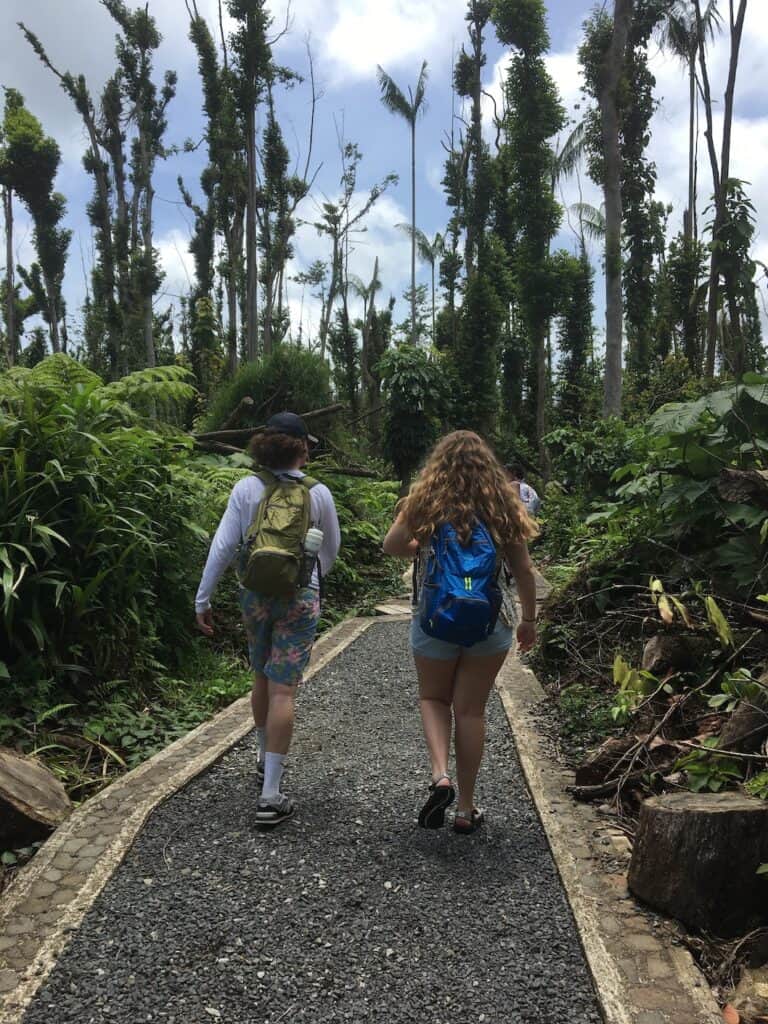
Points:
(432, 814)
(465, 824)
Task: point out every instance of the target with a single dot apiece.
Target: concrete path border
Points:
(50, 896)
(640, 977)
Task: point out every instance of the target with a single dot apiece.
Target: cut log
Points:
(746, 729)
(32, 800)
(598, 763)
(746, 486)
(696, 856)
(664, 653)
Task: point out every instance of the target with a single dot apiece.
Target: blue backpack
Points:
(460, 597)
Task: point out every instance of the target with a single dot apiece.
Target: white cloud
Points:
(177, 264)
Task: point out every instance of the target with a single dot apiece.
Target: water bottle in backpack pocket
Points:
(460, 597)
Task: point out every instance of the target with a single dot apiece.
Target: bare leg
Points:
(474, 679)
(435, 695)
(259, 699)
(282, 700)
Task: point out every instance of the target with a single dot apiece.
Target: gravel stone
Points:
(347, 913)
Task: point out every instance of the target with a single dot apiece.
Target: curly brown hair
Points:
(462, 482)
(276, 451)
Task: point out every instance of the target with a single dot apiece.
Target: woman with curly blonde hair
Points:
(463, 505)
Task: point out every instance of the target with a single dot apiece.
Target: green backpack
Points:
(271, 560)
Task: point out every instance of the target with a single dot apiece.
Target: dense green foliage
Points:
(105, 520)
(290, 378)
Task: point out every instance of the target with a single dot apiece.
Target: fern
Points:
(169, 386)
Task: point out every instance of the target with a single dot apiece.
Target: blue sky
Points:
(348, 38)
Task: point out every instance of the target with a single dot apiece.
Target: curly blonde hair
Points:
(462, 482)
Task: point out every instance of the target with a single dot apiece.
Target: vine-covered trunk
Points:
(251, 304)
(691, 219)
(10, 287)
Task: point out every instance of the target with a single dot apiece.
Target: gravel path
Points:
(347, 913)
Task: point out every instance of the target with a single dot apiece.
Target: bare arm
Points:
(521, 567)
(398, 541)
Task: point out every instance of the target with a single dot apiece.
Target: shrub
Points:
(290, 378)
(92, 525)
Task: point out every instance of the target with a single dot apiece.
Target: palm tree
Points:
(395, 101)
(430, 252)
(680, 36)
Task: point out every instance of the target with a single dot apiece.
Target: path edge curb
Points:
(620, 996)
(128, 801)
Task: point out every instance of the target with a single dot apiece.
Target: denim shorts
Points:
(281, 632)
(499, 642)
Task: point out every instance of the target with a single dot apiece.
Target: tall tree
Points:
(605, 84)
(430, 251)
(254, 69)
(131, 109)
(467, 81)
(409, 109)
(29, 162)
(337, 221)
(680, 36)
(147, 112)
(223, 180)
(527, 207)
(721, 176)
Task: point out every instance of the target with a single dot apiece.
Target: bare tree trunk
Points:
(10, 284)
(53, 313)
(720, 176)
(433, 298)
(414, 335)
(333, 288)
(622, 18)
(542, 381)
(690, 220)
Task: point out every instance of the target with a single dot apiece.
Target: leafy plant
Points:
(735, 687)
(708, 769)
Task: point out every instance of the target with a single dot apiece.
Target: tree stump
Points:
(32, 800)
(696, 857)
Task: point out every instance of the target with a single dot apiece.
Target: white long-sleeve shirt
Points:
(236, 521)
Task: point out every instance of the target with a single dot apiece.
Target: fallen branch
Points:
(587, 793)
(642, 745)
(218, 448)
(723, 753)
(242, 437)
(350, 471)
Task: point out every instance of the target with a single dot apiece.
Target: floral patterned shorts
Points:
(281, 632)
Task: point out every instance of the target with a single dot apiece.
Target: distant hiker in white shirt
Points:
(528, 495)
(285, 526)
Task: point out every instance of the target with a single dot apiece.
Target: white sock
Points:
(260, 740)
(273, 775)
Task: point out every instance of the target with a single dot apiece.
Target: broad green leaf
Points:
(719, 622)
